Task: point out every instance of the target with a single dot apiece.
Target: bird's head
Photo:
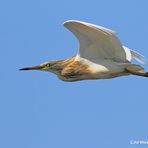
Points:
(50, 66)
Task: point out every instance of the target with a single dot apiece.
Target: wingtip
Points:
(71, 21)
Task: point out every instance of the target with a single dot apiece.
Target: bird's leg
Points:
(136, 70)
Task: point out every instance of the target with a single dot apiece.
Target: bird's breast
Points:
(74, 71)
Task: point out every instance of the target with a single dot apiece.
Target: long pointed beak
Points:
(38, 67)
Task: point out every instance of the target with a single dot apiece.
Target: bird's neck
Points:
(61, 64)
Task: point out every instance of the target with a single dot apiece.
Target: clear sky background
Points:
(37, 110)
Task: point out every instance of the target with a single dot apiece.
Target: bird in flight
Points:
(101, 56)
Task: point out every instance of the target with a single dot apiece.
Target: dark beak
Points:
(38, 67)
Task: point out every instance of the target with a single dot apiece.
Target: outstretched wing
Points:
(97, 42)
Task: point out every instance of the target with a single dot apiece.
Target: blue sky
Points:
(37, 110)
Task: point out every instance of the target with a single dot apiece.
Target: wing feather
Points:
(96, 42)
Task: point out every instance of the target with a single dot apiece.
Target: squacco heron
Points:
(101, 56)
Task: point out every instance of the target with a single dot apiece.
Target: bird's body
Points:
(101, 56)
(80, 69)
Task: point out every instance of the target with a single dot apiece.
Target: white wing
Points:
(97, 42)
(128, 53)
